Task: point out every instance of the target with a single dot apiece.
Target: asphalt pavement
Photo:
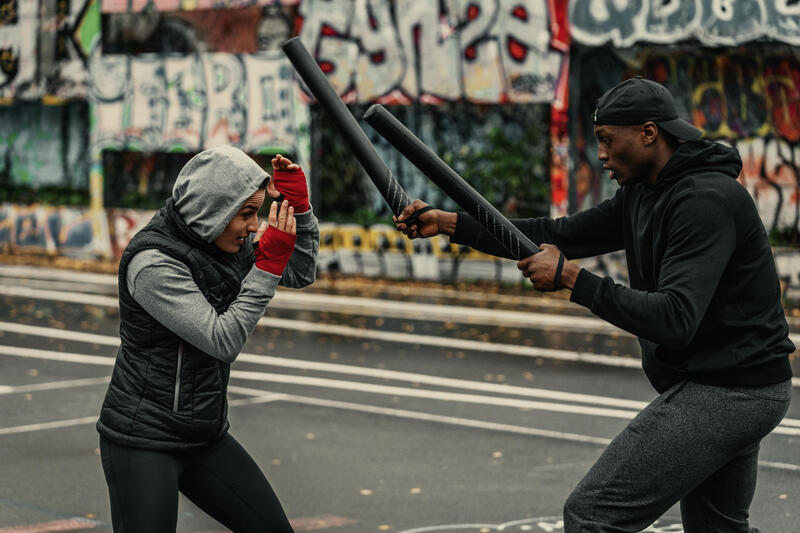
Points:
(369, 406)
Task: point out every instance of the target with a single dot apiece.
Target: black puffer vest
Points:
(165, 393)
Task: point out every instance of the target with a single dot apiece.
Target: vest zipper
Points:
(178, 378)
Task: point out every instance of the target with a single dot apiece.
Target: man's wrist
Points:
(569, 275)
(447, 222)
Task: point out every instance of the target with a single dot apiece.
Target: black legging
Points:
(221, 479)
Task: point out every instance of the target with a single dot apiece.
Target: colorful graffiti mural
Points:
(479, 50)
(711, 22)
(188, 103)
(44, 45)
(66, 231)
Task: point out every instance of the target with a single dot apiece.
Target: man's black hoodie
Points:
(704, 297)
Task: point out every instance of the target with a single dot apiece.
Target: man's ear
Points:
(649, 133)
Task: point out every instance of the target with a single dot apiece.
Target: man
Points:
(192, 287)
(704, 300)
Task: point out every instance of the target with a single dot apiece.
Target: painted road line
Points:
(450, 396)
(50, 355)
(467, 422)
(53, 385)
(57, 424)
(59, 296)
(32, 272)
(261, 396)
(366, 387)
(264, 397)
(449, 342)
(408, 392)
(411, 377)
(445, 313)
(406, 338)
(331, 368)
(427, 379)
(358, 333)
(69, 524)
(61, 334)
(430, 417)
(344, 385)
(368, 307)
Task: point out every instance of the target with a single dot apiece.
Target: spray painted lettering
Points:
(712, 22)
(479, 50)
(162, 104)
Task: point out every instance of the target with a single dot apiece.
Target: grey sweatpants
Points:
(696, 444)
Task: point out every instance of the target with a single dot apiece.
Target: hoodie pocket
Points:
(178, 378)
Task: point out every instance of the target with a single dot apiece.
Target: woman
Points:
(192, 286)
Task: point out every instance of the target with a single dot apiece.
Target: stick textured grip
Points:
(517, 244)
(348, 127)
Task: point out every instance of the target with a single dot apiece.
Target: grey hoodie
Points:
(208, 192)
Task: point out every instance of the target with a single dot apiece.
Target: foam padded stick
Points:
(316, 81)
(462, 193)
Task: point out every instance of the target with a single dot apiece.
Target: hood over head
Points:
(700, 156)
(212, 187)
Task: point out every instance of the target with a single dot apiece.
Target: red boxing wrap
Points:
(274, 250)
(292, 184)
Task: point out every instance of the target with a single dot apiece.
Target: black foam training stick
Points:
(507, 234)
(348, 127)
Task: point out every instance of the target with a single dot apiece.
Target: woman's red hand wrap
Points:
(292, 184)
(274, 250)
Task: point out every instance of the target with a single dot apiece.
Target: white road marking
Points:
(408, 392)
(261, 396)
(69, 524)
(48, 425)
(384, 389)
(348, 331)
(386, 308)
(430, 417)
(53, 385)
(388, 336)
(464, 422)
(60, 296)
(32, 272)
(412, 377)
(64, 357)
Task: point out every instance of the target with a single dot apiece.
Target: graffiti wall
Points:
(44, 46)
(404, 50)
(35, 154)
(711, 22)
(188, 103)
(75, 232)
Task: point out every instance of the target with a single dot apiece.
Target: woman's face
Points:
(243, 223)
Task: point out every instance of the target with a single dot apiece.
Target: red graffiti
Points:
(517, 49)
(329, 31)
(473, 11)
(520, 12)
(782, 76)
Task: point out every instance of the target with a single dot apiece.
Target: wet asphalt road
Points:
(366, 414)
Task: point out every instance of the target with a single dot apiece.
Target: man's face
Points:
(243, 223)
(622, 152)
